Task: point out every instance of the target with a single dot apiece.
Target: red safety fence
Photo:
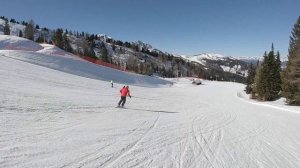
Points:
(99, 62)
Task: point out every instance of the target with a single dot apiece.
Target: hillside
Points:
(55, 58)
(137, 56)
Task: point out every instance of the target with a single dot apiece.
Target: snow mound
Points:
(18, 43)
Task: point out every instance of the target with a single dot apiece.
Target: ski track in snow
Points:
(55, 119)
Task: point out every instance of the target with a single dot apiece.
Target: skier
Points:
(124, 92)
(112, 83)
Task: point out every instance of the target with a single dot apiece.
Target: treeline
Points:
(267, 82)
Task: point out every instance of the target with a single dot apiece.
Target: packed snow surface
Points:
(18, 43)
(52, 117)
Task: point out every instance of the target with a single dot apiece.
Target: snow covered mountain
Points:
(202, 57)
(220, 62)
(141, 57)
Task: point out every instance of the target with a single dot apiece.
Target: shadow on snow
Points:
(155, 111)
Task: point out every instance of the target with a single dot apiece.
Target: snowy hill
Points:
(50, 118)
(17, 43)
(55, 58)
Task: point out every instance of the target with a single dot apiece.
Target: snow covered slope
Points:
(54, 119)
(17, 43)
(55, 58)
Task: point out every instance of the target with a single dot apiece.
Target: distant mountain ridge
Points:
(220, 62)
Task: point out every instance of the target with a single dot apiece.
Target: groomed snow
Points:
(50, 118)
(17, 43)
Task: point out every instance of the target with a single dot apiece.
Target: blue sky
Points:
(228, 27)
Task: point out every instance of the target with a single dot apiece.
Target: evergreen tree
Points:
(104, 54)
(24, 23)
(267, 81)
(58, 38)
(274, 79)
(89, 52)
(66, 43)
(257, 80)
(6, 28)
(291, 77)
(20, 33)
(277, 73)
(113, 46)
(12, 21)
(29, 30)
(250, 79)
(40, 39)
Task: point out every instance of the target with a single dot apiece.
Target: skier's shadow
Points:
(155, 111)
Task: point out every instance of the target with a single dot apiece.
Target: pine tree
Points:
(29, 30)
(274, 79)
(291, 77)
(267, 80)
(257, 81)
(12, 21)
(104, 54)
(40, 39)
(277, 74)
(58, 38)
(113, 46)
(6, 28)
(250, 79)
(20, 33)
(66, 43)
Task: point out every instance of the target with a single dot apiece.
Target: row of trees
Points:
(264, 83)
(16, 22)
(267, 82)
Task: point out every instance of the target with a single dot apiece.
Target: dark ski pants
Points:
(123, 100)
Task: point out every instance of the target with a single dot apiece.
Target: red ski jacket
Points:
(124, 92)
